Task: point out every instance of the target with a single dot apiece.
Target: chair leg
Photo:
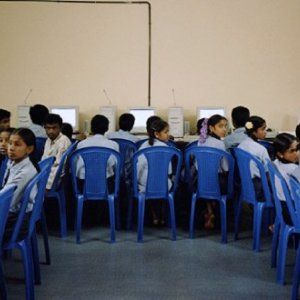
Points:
(296, 276)
(3, 292)
(172, 217)
(35, 258)
(223, 213)
(237, 214)
(62, 213)
(26, 251)
(78, 220)
(275, 243)
(192, 216)
(45, 237)
(257, 221)
(111, 206)
(141, 213)
(285, 233)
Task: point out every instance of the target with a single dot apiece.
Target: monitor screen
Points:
(141, 115)
(206, 112)
(69, 114)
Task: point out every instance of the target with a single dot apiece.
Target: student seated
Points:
(56, 144)
(99, 125)
(256, 130)
(38, 114)
(126, 122)
(67, 130)
(239, 117)
(20, 170)
(4, 119)
(4, 141)
(158, 132)
(287, 156)
(211, 133)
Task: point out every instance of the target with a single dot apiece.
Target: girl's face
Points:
(17, 149)
(261, 132)
(162, 135)
(219, 129)
(290, 154)
(4, 139)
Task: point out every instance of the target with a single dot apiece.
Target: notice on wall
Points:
(175, 120)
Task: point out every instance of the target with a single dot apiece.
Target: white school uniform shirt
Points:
(286, 170)
(259, 151)
(218, 144)
(97, 140)
(55, 148)
(38, 130)
(20, 174)
(235, 138)
(142, 166)
(122, 134)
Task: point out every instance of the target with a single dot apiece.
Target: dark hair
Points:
(283, 142)
(156, 126)
(213, 120)
(10, 130)
(149, 122)
(4, 114)
(99, 124)
(199, 124)
(297, 131)
(126, 121)
(38, 113)
(67, 130)
(239, 116)
(29, 139)
(255, 122)
(53, 119)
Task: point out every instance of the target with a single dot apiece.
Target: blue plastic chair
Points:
(57, 190)
(39, 148)
(140, 142)
(295, 191)
(208, 161)
(95, 184)
(159, 159)
(248, 195)
(39, 181)
(191, 144)
(5, 197)
(126, 148)
(43, 164)
(282, 231)
(3, 169)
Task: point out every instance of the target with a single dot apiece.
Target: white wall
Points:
(216, 52)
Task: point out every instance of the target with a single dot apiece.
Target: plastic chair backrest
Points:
(276, 177)
(208, 162)
(39, 148)
(269, 146)
(159, 159)
(5, 196)
(140, 142)
(126, 148)
(244, 160)
(191, 144)
(39, 181)
(95, 162)
(61, 167)
(295, 192)
(3, 169)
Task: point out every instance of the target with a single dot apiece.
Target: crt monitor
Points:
(206, 112)
(69, 114)
(141, 114)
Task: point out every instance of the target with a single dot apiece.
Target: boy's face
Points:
(4, 139)
(52, 130)
(4, 123)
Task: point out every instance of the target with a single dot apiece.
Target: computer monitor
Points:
(69, 114)
(141, 114)
(208, 111)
